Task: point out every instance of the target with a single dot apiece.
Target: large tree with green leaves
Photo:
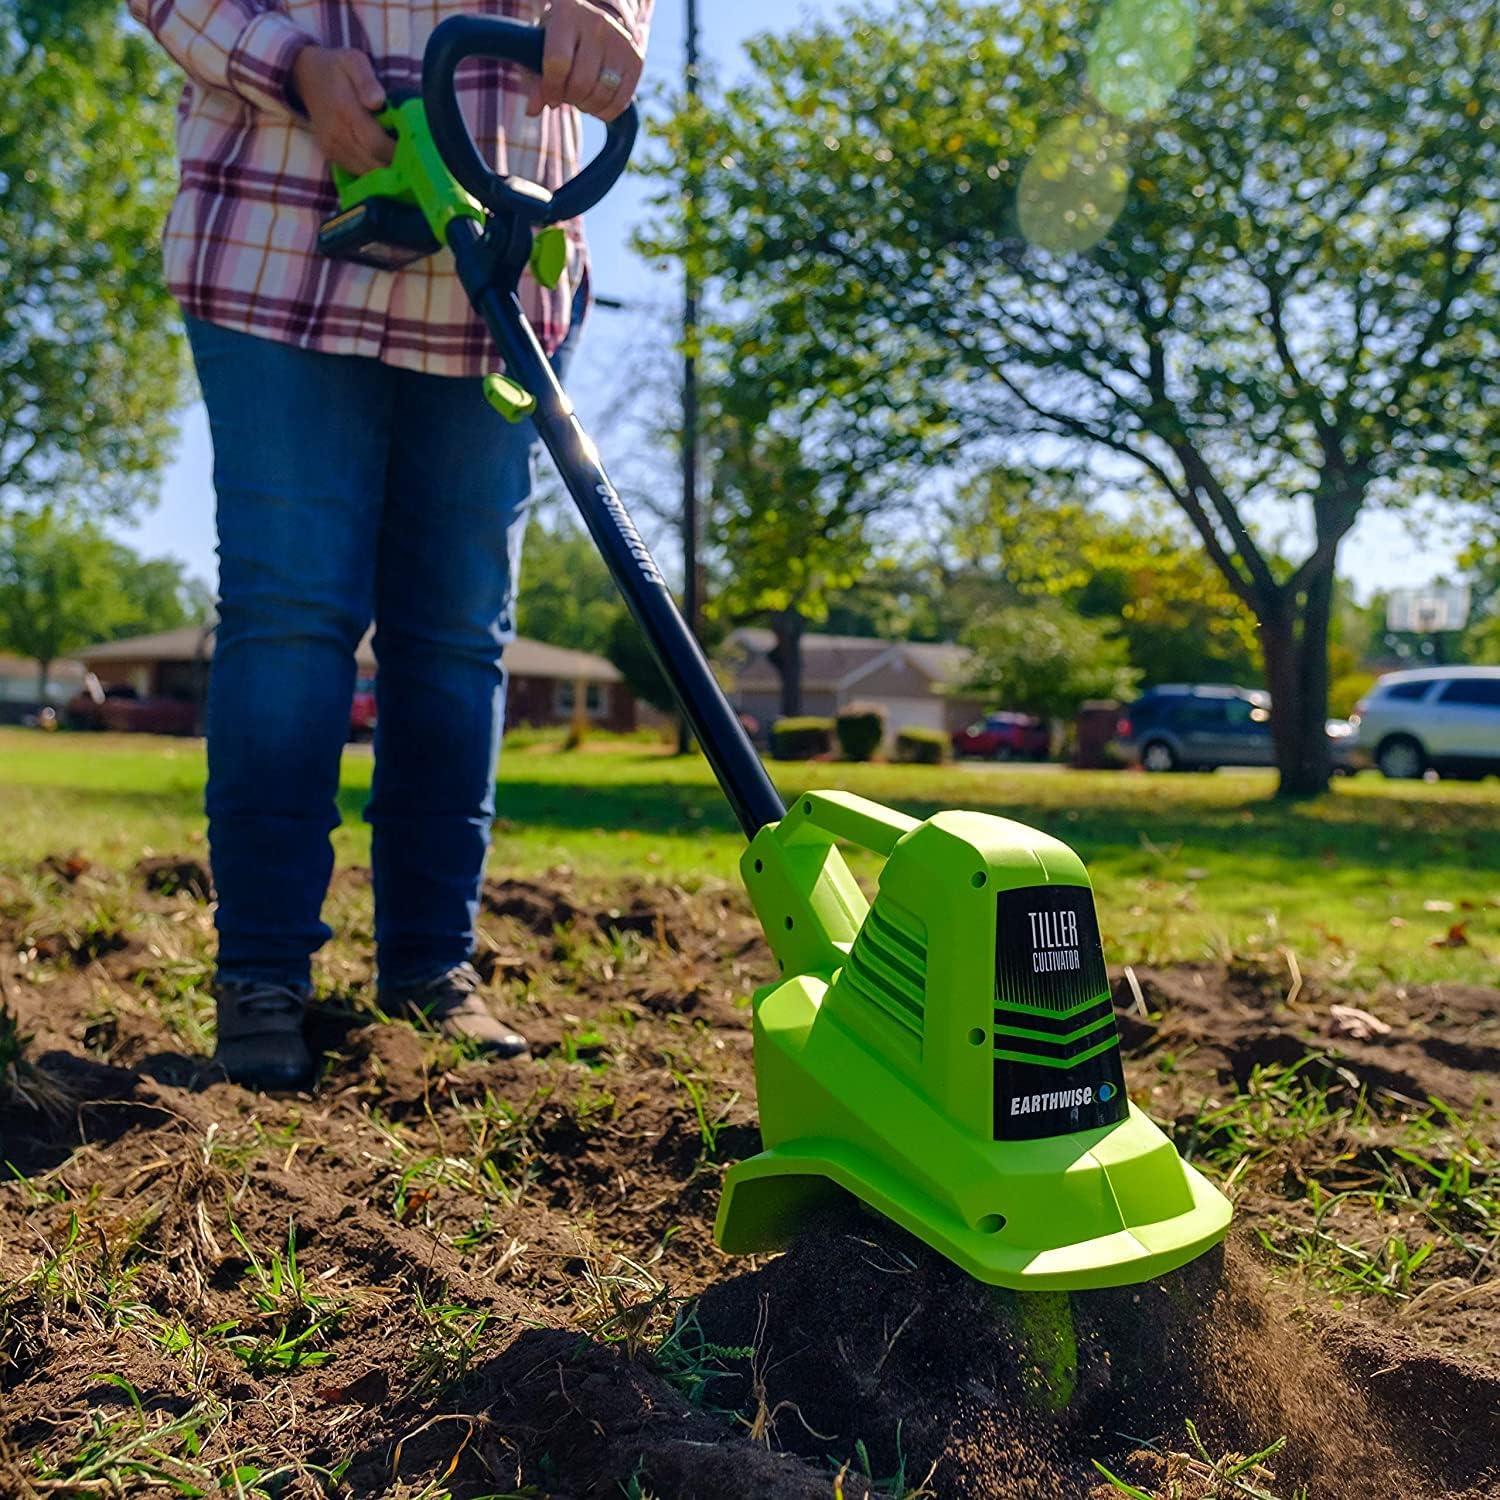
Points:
(64, 585)
(791, 532)
(1244, 253)
(1178, 618)
(90, 364)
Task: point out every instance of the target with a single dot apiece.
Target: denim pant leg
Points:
(300, 451)
(457, 495)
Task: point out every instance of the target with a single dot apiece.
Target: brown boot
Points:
(453, 1004)
(260, 1041)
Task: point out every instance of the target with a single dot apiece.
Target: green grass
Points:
(1364, 881)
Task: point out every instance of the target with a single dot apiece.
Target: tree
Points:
(90, 358)
(1243, 253)
(64, 584)
(792, 534)
(1045, 659)
(569, 599)
(59, 589)
(1178, 618)
(1480, 561)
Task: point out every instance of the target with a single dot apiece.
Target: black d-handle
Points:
(461, 37)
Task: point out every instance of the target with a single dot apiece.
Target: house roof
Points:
(523, 657)
(835, 663)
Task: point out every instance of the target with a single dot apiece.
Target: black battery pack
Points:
(378, 232)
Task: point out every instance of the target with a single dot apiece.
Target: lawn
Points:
(1378, 880)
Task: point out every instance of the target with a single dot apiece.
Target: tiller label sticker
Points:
(1057, 1053)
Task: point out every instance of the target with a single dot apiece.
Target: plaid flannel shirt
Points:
(241, 238)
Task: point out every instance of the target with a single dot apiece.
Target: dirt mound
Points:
(1439, 1042)
(864, 1337)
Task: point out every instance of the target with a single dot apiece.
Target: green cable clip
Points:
(512, 401)
(549, 255)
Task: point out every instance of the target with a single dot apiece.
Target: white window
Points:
(564, 700)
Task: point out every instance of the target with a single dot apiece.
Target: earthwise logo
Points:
(1054, 942)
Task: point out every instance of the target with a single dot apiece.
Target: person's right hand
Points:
(339, 91)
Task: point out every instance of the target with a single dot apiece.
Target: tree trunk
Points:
(43, 672)
(786, 657)
(1294, 641)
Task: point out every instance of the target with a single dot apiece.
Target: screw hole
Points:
(788, 924)
(978, 880)
(807, 808)
(760, 865)
(976, 1037)
(991, 1224)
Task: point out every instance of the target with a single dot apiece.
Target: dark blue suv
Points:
(1197, 727)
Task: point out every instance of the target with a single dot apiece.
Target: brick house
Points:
(911, 680)
(19, 682)
(545, 681)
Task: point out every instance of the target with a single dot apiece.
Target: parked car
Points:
(124, 710)
(1004, 736)
(1201, 726)
(362, 711)
(1443, 719)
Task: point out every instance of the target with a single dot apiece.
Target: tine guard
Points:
(948, 1055)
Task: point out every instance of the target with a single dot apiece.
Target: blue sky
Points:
(1382, 552)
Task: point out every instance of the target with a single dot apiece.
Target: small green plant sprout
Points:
(1235, 1476)
(131, 1454)
(88, 1276)
(710, 1122)
(300, 1317)
(627, 1305)
(450, 1339)
(587, 1046)
(691, 1362)
(897, 1486)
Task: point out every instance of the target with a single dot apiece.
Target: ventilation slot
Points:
(887, 967)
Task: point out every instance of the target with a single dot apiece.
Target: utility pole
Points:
(692, 602)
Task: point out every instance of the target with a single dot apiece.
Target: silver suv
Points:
(1444, 719)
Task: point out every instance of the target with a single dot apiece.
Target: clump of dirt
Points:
(865, 1336)
(175, 874)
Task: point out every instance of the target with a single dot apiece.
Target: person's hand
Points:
(591, 61)
(339, 91)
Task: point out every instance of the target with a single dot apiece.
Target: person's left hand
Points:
(591, 61)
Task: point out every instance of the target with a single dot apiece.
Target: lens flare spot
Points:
(1074, 186)
(1141, 51)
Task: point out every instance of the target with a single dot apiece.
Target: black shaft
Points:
(692, 603)
(701, 699)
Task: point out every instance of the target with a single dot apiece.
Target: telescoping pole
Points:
(739, 770)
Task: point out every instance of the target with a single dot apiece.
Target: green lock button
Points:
(549, 255)
(512, 401)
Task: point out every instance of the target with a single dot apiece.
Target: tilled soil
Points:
(504, 1282)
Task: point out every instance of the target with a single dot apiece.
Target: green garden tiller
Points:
(947, 1053)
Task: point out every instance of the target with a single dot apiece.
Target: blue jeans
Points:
(351, 491)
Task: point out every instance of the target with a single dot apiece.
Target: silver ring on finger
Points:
(609, 79)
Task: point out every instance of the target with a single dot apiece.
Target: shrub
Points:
(922, 746)
(861, 728)
(1344, 692)
(801, 739)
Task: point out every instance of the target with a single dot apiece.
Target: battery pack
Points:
(378, 232)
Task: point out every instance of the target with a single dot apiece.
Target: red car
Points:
(362, 710)
(1002, 736)
(124, 711)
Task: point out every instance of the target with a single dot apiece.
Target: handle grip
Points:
(462, 37)
(843, 815)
